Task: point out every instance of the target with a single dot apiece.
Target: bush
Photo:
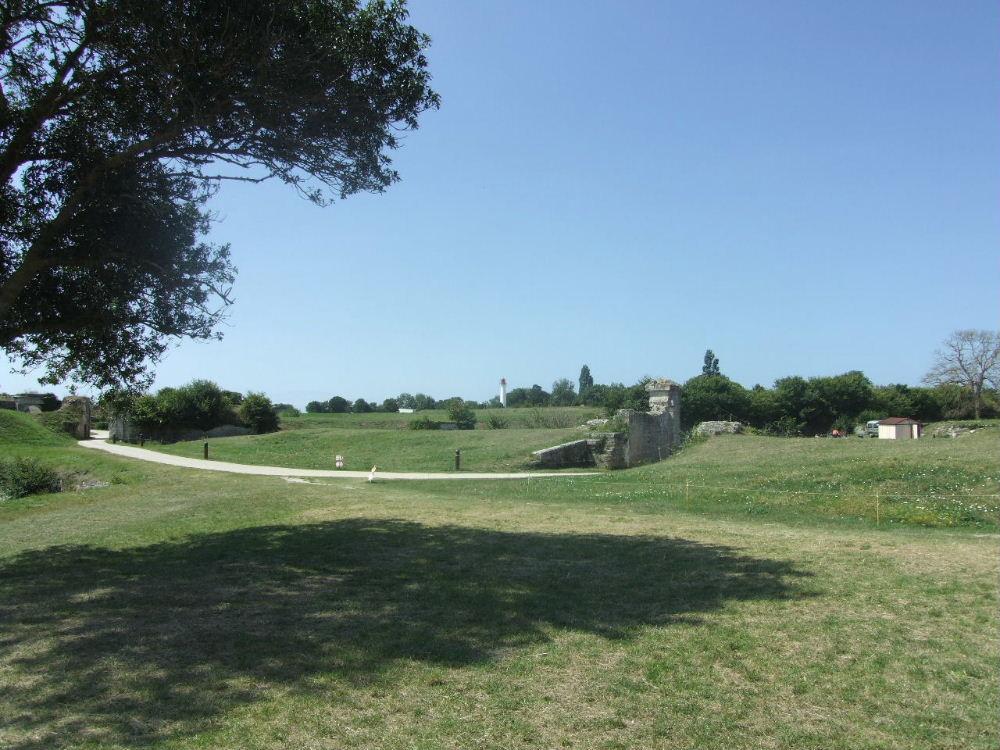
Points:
(496, 422)
(286, 410)
(461, 414)
(784, 427)
(424, 423)
(257, 413)
(338, 405)
(20, 477)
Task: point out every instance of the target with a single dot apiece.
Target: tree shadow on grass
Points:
(142, 644)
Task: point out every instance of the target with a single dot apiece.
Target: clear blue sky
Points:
(806, 188)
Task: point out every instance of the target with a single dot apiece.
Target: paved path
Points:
(142, 454)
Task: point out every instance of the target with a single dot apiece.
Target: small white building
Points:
(899, 428)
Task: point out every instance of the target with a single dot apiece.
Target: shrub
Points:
(785, 427)
(257, 413)
(390, 405)
(461, 414)
(362, 407)
(424, 423)
(26, 476)
(286, 410)
(496, 422)
(338, 405)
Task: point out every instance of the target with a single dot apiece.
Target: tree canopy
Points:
(970, 359)
(120, 118)
(710, 366)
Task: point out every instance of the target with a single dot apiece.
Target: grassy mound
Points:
(389, 449)
(19, 429)
(527, 418)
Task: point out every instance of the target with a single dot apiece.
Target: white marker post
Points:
(503, 392)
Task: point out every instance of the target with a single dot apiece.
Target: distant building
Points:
(899, 428)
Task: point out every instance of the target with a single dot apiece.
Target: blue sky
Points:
(805, 188)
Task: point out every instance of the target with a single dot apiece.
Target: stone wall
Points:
(649, 436)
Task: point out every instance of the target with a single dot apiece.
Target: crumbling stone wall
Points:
(649, 436)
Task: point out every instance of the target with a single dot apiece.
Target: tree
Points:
(586, 381)
(405, 401)
(563, 393)
(534, 396)
(711, 364)
(120, 118)
(257, 413)
(422, 401)
(970, 359)
(318, 407)
(390, 404)
(338, 405)
(360, 406)
(712, 397)
(461, 414)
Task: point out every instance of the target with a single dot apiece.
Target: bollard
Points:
(206, 451)
(458, 459)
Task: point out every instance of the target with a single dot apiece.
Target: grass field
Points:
(932, 482)
(182, 609)
(391, 450)
(545, 418)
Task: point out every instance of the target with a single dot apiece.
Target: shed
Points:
(899, 428)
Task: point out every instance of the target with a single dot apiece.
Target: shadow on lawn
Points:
(142, 644)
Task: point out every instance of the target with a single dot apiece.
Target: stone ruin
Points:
(646, 437)
(79, 411)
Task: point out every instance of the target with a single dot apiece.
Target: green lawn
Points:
(552, 417)
(390, 450)
(181, 609)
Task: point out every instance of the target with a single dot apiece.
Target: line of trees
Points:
(201, 405)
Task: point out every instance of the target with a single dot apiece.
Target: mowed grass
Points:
(928, 482)
(188, 609)
(521, 418)
(390, 450)
(931, 482)
(183, 609)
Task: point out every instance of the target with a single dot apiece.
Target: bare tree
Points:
(968, 358)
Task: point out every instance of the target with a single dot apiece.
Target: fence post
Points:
(206, 451)
(687, 491)
(458, 459)
(877, 509)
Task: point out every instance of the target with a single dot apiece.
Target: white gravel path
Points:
(142, 454)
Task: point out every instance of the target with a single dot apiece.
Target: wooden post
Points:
(206, 451)
(877, 508)
(458, 459)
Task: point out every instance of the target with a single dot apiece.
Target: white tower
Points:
(503, 392)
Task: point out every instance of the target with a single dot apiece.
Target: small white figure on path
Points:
(371, 474)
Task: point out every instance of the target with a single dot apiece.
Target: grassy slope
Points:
(931, 482)
(521, 418)
(201, 610)
(391, 450)
(22, 429)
